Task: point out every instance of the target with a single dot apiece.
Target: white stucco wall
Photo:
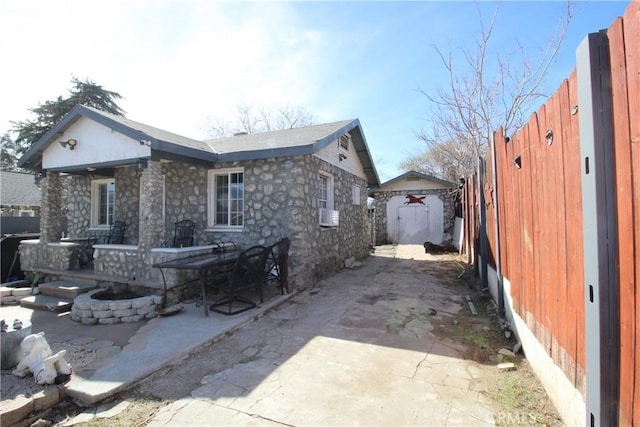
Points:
(331, 154)
(96, 144)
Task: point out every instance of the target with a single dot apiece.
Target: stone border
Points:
(91, 311)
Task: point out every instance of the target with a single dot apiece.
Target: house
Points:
(19, 196)
(414, 208)
(308, 184)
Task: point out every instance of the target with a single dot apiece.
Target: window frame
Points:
(95, 203)
(330, 199)
(356, 192)
(330, 190)
(212, 175)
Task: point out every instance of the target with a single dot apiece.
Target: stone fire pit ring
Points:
(90, 311)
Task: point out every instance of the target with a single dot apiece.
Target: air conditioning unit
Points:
(329, 217)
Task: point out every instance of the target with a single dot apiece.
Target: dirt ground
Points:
(517, 396)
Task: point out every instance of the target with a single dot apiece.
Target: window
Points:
(226, 198)
(356, 194)
(344, 142)
(323, 198)
(103, 193)
(26, 213)
(327, 216)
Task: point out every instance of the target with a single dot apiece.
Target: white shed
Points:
(414, 208)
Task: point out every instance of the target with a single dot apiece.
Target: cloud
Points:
(174, 62)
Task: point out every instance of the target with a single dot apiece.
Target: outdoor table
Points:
(200, 263)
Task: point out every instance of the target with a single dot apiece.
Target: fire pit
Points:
(106, 307)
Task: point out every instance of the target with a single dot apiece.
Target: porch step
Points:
(46, 302)
(66, 289)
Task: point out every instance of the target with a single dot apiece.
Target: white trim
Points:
(355, 194)
(211, 199)
(95, 202)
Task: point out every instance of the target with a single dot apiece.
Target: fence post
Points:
(599, 225)
(482, 234)
(496, 224)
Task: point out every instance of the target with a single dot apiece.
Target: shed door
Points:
(419, 224)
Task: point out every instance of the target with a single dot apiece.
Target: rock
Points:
(508, 366)
(505, 352)
(517, 347)
(432, 312)
(507, 334)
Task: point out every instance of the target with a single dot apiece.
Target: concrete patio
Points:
(356, 349)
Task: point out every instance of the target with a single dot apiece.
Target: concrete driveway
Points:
(356, 349)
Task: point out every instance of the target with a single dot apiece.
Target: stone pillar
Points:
(151, 222)
(51, 196)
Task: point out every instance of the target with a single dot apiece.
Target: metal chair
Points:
(183, 236)
(116, 233)
(277, 266)
(248, 273)
(86, 251)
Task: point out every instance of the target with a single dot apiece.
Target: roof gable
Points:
(417, 179)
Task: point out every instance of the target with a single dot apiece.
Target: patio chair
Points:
(116, 233)
(277, 266)
(183, 236)
(247, 274)
(86, 251)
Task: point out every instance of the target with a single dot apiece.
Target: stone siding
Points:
(76, 194)
(281, 200)
(36, 254)
(383, 197)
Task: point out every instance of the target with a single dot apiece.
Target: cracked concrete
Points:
(357, 349)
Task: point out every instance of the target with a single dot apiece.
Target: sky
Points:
(180, 63)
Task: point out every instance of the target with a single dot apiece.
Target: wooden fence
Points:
(540, 174)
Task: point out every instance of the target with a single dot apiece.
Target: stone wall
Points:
(36, 254)
(380, 214)
(76, 195)
(281, 200)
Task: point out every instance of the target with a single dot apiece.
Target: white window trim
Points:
(95, 194)
(211, 200)
(355, 193)
(30, 212)
(330, 189)
(332, 214)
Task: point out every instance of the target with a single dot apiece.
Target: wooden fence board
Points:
(528, 270)
(557, 249)
(534, 304)
(567, 299)
(624, 188)
(632, 44)
(546, 231)
(575, 248)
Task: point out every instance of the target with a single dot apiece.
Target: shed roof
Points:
(417, 175)
(18, 189)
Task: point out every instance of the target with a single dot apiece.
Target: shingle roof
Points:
(286, 138)
(18, 189)
(290, 142)
(419, 175)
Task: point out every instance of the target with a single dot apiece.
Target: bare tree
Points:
(487, 90)
(251, 119)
